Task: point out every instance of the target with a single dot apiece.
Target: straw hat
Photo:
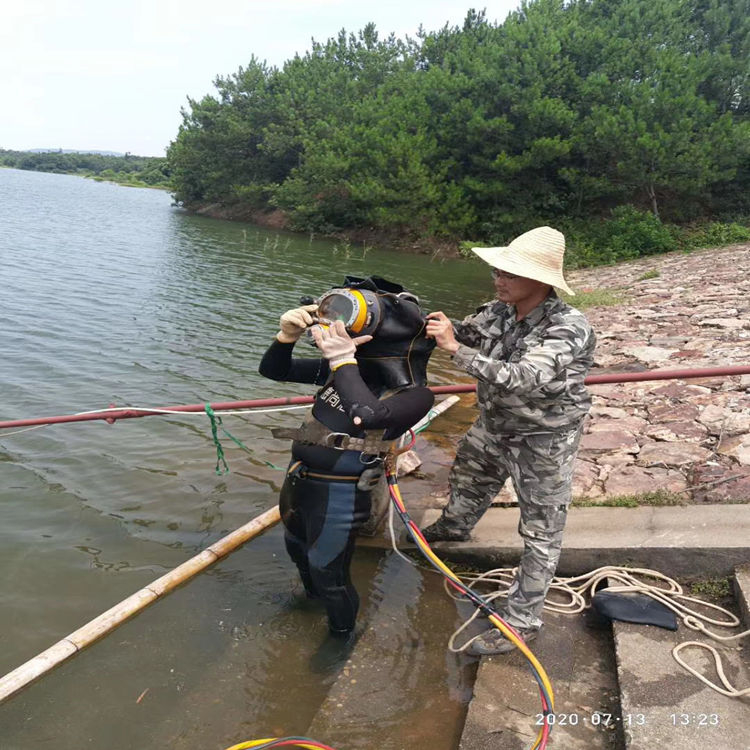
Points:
(536, 254)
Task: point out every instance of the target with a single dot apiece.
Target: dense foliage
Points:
(564, 112)
(127, 170)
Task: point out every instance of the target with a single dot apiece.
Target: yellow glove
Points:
(294, 322)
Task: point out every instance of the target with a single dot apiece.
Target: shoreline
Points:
(368, 237)
(94, 177)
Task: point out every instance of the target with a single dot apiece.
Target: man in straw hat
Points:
(529, 352)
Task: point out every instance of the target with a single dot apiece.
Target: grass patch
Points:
(595, 298)
(715, 590)
(713, 234)
(656, 498)
(652, 274)
(623, 501)
(628, 233)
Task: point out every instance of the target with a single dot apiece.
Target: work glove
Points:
(294, 322)
(336, 345)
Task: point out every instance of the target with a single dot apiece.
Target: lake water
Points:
(113, 296)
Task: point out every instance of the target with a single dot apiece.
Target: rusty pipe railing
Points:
(112, 414)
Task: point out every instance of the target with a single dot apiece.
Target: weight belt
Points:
(316, 433)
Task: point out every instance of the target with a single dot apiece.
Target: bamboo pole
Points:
(12, 682)
(31, 670)
(436, 411)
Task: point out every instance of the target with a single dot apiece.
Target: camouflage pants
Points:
(541, 469)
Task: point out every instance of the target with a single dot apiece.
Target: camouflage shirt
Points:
(530, 371)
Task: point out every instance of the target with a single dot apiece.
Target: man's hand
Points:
(336, 344)
(440, 328)
(294, 322)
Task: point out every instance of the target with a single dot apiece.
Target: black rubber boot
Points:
(493, 642)
(440, 531)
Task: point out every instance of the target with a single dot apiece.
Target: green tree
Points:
(648, 133)
(566, 108)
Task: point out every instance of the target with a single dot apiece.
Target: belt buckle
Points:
(335, 440)
(297, 471)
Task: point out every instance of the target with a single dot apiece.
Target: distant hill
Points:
(124, 169)
(71, 151)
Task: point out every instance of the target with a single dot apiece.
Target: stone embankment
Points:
(688, 437)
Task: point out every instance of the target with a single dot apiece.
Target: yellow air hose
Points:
(545, 687)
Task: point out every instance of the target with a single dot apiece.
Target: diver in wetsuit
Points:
(373, 390)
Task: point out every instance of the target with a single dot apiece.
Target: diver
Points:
(373, 374)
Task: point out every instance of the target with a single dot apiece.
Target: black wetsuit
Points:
(321, 514)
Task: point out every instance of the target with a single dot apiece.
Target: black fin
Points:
(637, 608)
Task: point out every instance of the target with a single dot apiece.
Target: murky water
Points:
(111, 295)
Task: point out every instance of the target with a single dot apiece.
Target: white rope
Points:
(729, 690)
(392, 535)
(25, 429)
(391, 511)
(149, 410)
(626, 580)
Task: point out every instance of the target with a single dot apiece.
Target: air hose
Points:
(305, 742)
(545, 688)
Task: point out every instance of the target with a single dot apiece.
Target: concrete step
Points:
(742, 591)
(616, 687)
(578, 657)
(663, 705)
(678, 541)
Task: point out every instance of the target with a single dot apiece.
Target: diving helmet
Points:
(398, 353)
(359, 309)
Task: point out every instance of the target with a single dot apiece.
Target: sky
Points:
(112, 76)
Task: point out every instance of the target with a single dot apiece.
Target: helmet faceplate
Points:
(359, 309)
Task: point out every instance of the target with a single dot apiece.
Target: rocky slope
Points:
(690, 437)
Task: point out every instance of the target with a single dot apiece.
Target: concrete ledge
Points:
(505, 709)
(742, 592)
(676, 540)
(665, 706)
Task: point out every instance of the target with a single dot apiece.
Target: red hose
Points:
(130, 413)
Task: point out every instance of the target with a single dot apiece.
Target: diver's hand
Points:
(294, 322)
(440, 328)
(336, 344)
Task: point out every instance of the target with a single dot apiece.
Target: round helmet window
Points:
(338, 306)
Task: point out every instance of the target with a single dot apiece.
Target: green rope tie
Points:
(219, 450)
(220, 460)
(430, 416)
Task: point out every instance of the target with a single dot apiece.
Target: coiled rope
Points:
(667, 591)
